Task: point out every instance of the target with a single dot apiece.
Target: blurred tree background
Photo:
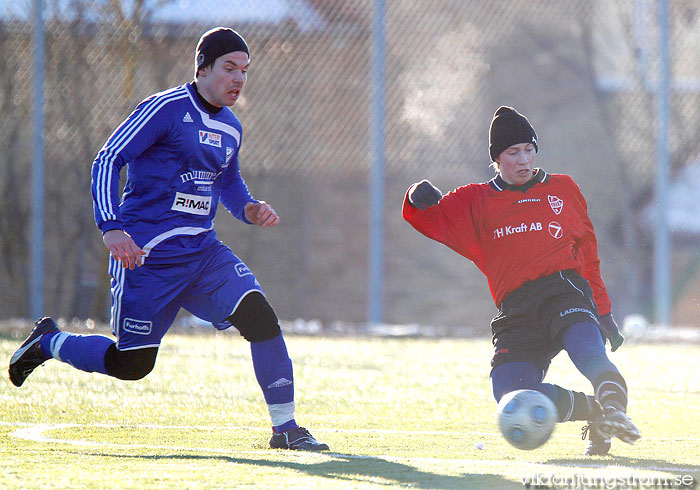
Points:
(585, 73)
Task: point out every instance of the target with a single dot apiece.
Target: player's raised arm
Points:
(423, 195)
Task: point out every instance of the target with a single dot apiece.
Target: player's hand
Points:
(261, 214)
(424, 195)
(611, 332)
(123, 248)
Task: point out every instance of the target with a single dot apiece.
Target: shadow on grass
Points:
(630, 463)
(353, 468)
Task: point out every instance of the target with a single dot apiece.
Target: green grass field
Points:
(397, 413)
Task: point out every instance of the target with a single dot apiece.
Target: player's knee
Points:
(512, 376)
(131, 364)
(255, 319)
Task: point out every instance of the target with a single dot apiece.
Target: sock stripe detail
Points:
(56, 343)
(618, 388)
(611, 393)
(571, 408)
(280, 413)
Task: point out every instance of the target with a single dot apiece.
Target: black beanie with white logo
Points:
(509, 128)
(217, 42)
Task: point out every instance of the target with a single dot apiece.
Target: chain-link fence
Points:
(584, 72)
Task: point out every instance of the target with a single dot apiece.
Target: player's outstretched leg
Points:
(584, 344)
(571, 405)
(29, 355)
(47, 341)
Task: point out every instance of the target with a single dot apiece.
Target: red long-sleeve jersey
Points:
(516, 234)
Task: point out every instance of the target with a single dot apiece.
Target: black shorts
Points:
(531, 318)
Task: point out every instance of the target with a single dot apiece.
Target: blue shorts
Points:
(145, 300)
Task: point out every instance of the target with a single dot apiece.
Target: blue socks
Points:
(84, 352)
(584, 344)
(586, 348)
(571, 405)
(513, 376)
(273, 370)
(271, 362)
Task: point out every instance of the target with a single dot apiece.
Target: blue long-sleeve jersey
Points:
(181, 160)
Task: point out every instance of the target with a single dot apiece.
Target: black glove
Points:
(424, 195)
(611, 332)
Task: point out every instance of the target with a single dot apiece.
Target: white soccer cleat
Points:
(616, 423)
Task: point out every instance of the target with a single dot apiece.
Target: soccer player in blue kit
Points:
(180, 148)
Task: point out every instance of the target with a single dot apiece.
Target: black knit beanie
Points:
(509, 128)
(217, 42)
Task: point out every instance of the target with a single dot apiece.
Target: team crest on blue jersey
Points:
(229, 154)
(211, 139)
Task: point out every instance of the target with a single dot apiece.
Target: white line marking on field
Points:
(35, 433)
(316, 429)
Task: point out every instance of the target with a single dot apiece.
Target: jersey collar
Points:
(540, 176)
(209, 107)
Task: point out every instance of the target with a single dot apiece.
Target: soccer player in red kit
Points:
(529, 232)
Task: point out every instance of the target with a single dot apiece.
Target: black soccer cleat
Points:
(597, 444)
(29, 355)
(616, 423)
(299, 439)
